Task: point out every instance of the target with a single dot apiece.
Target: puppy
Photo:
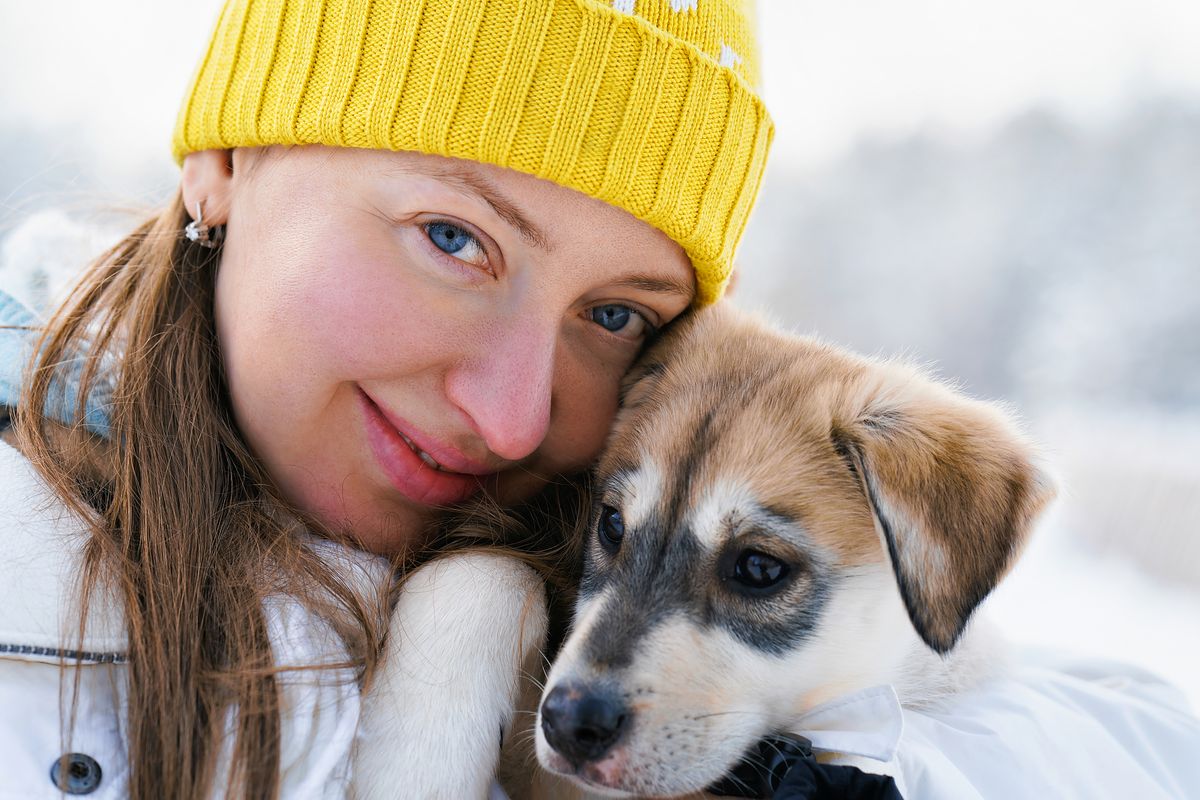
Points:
(777, 523)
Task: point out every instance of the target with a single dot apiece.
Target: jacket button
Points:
(75, 773)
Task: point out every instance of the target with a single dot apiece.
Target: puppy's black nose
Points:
(582, 723)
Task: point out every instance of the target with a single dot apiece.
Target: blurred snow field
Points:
(1071, 597)
(1114, 569)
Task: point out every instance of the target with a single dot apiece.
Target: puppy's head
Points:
(776, 522)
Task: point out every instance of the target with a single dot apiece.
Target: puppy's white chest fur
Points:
(464, 653)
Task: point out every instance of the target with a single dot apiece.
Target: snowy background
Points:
(1009, 191)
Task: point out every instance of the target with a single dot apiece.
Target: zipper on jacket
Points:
(83, 656)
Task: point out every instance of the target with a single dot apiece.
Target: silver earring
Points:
(196, 231)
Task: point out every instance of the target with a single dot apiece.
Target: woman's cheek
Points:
(588, 398)
(367, 313)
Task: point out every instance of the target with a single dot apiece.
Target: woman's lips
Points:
(408, 472)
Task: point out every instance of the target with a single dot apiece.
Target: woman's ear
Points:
(954, 488)
(208, 180)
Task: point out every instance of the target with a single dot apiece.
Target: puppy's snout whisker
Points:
(744, 712)
(583, 723)
(533, 678)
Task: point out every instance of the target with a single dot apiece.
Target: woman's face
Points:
(401, 331)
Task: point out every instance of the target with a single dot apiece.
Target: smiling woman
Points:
(462, 327)
(414, 249)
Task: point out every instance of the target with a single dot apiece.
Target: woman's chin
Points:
(383, 529)
(391, 534)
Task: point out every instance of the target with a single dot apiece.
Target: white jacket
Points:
(39, 572)
(1040, 727)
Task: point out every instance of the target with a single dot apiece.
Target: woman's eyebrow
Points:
(472, 183)
(655, 283)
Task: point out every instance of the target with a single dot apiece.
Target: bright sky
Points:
(839, 69)
(835, 69)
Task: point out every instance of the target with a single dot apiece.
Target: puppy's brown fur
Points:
(952, 486)
(733, 438)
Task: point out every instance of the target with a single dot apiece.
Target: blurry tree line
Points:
(1047, 264)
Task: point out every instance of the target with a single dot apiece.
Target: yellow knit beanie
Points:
(649, 105)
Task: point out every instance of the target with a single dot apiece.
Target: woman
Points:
(424, 241)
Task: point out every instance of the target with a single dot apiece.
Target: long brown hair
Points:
(184, 521)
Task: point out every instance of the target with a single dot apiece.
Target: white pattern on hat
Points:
(729, 58)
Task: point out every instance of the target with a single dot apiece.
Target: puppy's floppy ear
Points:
(954, 489)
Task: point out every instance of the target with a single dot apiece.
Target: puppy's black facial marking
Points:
(779, 617)
(595, 563)
(649, 582)
(781, 623)
(663, 571)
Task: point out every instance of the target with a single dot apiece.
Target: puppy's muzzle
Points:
(583, 722)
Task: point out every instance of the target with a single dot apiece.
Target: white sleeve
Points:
(1090, 730)
(319, 708)
(319, 705)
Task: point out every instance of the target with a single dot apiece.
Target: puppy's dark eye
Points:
(758, 572)
(612, 529)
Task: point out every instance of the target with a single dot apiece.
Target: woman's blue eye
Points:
(612, 318)
(458, 242)
(620, 320)
(448, 237)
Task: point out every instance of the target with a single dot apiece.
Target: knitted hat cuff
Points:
(572, 91)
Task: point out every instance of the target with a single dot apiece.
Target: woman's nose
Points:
(505, 388)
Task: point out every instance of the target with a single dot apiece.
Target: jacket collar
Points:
(19, 331)
(867, 723)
